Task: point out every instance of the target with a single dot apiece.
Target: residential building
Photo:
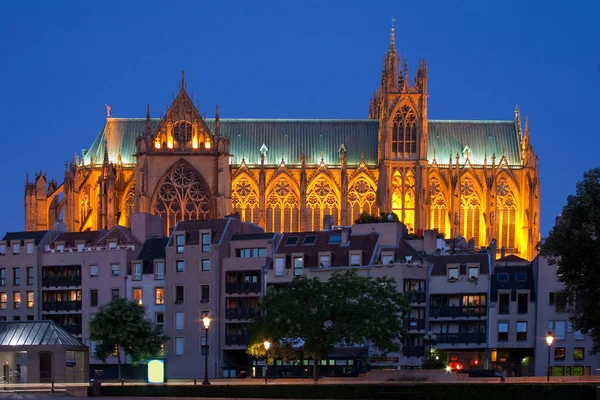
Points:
(569, 354)
(193, 273)
(19, 274)
(512, 330)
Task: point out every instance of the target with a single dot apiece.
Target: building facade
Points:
(478, 179)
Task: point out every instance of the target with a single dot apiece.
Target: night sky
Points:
(61, 62)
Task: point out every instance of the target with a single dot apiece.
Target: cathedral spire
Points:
(182, 87)
(217, 122)
(105, 152)
(393, 37)
(148, 130)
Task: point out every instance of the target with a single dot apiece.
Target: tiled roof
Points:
(122, 235)
(37, 236)
(440, 262)
(89, 237)
(35, 333)
(512, 282)
(512, 258)
(288, 138)
(404, 249)
(153, 249)
(340, 253)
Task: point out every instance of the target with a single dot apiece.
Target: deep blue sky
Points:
(60, 62)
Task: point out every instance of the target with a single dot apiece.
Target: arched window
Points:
(282, 207)
(404, 133)
(183, 195)
(361, 198)
(322, 199)
(244, 199)
(403, 197)
(507, 214)
(182, 133)
(85, 206)
(470, 211)
(439, 209)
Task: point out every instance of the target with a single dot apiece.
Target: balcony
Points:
(241, 287)
(417, 351)
(414, 324)
(416, 297)
(460, 338)
(61, 306)
(242, 313)
(72, 329)
(61, 281)
(237, 340)
(458, 311)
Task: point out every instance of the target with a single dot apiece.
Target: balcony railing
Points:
(237, 340)
(460, 338)
(458, 311)
(416, 297)
(418, 351)
(240, 287)
(414, 324)
(61, 306)
(61, 281)
(72, 329)
(242, 313)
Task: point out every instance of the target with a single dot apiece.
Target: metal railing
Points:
(463, 338)
(416, 297)
(61, 306)
(458, 311)
(237, 340)
(62, 281)
(241, 287)
(242, 313)
(414, 324)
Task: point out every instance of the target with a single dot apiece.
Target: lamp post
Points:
(206, 323)
(549, 340)
(430, 337)
(267, 344)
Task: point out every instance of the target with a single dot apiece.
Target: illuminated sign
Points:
(156, 371)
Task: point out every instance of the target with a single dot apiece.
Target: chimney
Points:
(144, 226)
(430, 241)
(327, 222)
(503, 252)
(345, 236)
(492, 249)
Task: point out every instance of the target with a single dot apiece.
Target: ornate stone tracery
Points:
(362, 198)
(282, 207)
(84, 203)
(322, 199)
(507, 214)
(245, 199)
(183, 195)
(403, 197)
(439, 208)
(470, 210)
(404, 132)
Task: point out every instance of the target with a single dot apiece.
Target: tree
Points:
(574, 246)
(314, 316)
(120, 326)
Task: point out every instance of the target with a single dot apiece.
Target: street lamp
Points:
(549, 340)
(206, 323)
(267, 344)
(429, 338)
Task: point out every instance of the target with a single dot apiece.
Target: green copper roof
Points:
(481, 137)
(288, 138)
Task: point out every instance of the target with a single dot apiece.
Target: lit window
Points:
(115, 269)
(3, 301)
(137, 295)
(179, 346)
(16, 300)
(137, 271)
(93, 270)
(30, 299)
(578, 353)
(29, 248)
(205, 265)
(159, 295)
(180, 243)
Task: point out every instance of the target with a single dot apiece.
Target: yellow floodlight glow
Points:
(156, 371)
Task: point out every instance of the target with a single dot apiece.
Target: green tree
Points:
(120, 326)
(574, 246)
(314, 316)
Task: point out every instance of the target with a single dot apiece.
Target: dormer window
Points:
(60, 247)
(279, 266)
(2, 249)
(291, 241)
(80, 247)
(502, 277)
(112, 245)
(29, 247)
(325, 260)
(16, 248)
(387, 258)
(335, 238)
(180, 243)
(452, 273)
(309, 239)
(355, 259)
(137, 271)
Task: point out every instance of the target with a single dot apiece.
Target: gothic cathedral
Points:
(477, 179)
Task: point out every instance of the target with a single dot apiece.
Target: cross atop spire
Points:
(182, 80)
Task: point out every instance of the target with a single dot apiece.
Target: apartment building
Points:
(512, 331)
(244, 279)
(19, 279)
(569, 354)
(459, 287)
(193, 270)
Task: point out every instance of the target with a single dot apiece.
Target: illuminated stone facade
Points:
(478, 179)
